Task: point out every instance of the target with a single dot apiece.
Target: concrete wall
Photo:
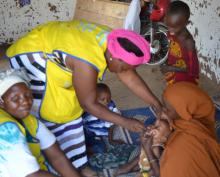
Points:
(16, 21)
(205, 27)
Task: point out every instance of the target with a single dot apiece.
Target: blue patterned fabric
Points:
(98, 126)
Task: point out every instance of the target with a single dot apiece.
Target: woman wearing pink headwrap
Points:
(64, 61)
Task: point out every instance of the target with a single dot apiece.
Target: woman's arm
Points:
(84, 82)
(136, 84)
(59, 161)
(53, 153)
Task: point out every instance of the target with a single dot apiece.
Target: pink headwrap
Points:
(119, 52)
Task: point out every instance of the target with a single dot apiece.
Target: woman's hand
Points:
(134, 125)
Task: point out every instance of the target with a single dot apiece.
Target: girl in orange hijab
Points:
(191, 150)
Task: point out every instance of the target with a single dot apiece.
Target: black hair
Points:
(179, 7)
(101, 87)
(130, 46)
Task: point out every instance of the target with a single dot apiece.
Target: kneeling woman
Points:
(192, 149)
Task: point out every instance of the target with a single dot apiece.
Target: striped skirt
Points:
(71, 138)
(70, 135)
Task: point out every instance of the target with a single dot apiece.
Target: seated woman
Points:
(192, 149)
(22, 137)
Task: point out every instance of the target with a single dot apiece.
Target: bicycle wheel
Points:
(159, 46)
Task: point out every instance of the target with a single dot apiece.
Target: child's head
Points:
(103, 94)
(177, 17)
(16, 97)
(160, 131)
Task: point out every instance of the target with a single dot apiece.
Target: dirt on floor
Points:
(154, 79)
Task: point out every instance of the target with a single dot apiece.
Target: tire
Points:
(159, 52)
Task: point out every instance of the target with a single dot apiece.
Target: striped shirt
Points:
(98, 126)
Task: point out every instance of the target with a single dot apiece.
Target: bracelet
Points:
(152, 160)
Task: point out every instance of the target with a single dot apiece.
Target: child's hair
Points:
(179, 7)
(130, 46)
(102, 88)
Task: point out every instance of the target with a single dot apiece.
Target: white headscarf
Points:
(11, 77)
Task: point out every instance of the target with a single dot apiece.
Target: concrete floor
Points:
(152, 76)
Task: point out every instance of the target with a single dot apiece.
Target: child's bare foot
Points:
(129, 167)
(123, 170)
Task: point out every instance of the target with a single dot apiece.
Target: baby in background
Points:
(99, 132)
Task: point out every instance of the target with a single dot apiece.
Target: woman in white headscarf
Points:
(22, 137)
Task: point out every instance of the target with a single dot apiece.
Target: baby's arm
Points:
(154, 163)
(157, 150)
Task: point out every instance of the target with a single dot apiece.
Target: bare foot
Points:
(123, 170)
(128, 167)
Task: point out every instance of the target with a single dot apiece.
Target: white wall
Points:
(16, 21)
(205, 27)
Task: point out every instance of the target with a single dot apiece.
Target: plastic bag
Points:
(132, 20)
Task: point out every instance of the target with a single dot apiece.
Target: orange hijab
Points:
(190, 102)
(191, 150)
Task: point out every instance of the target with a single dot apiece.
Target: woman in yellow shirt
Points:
(64, 61)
